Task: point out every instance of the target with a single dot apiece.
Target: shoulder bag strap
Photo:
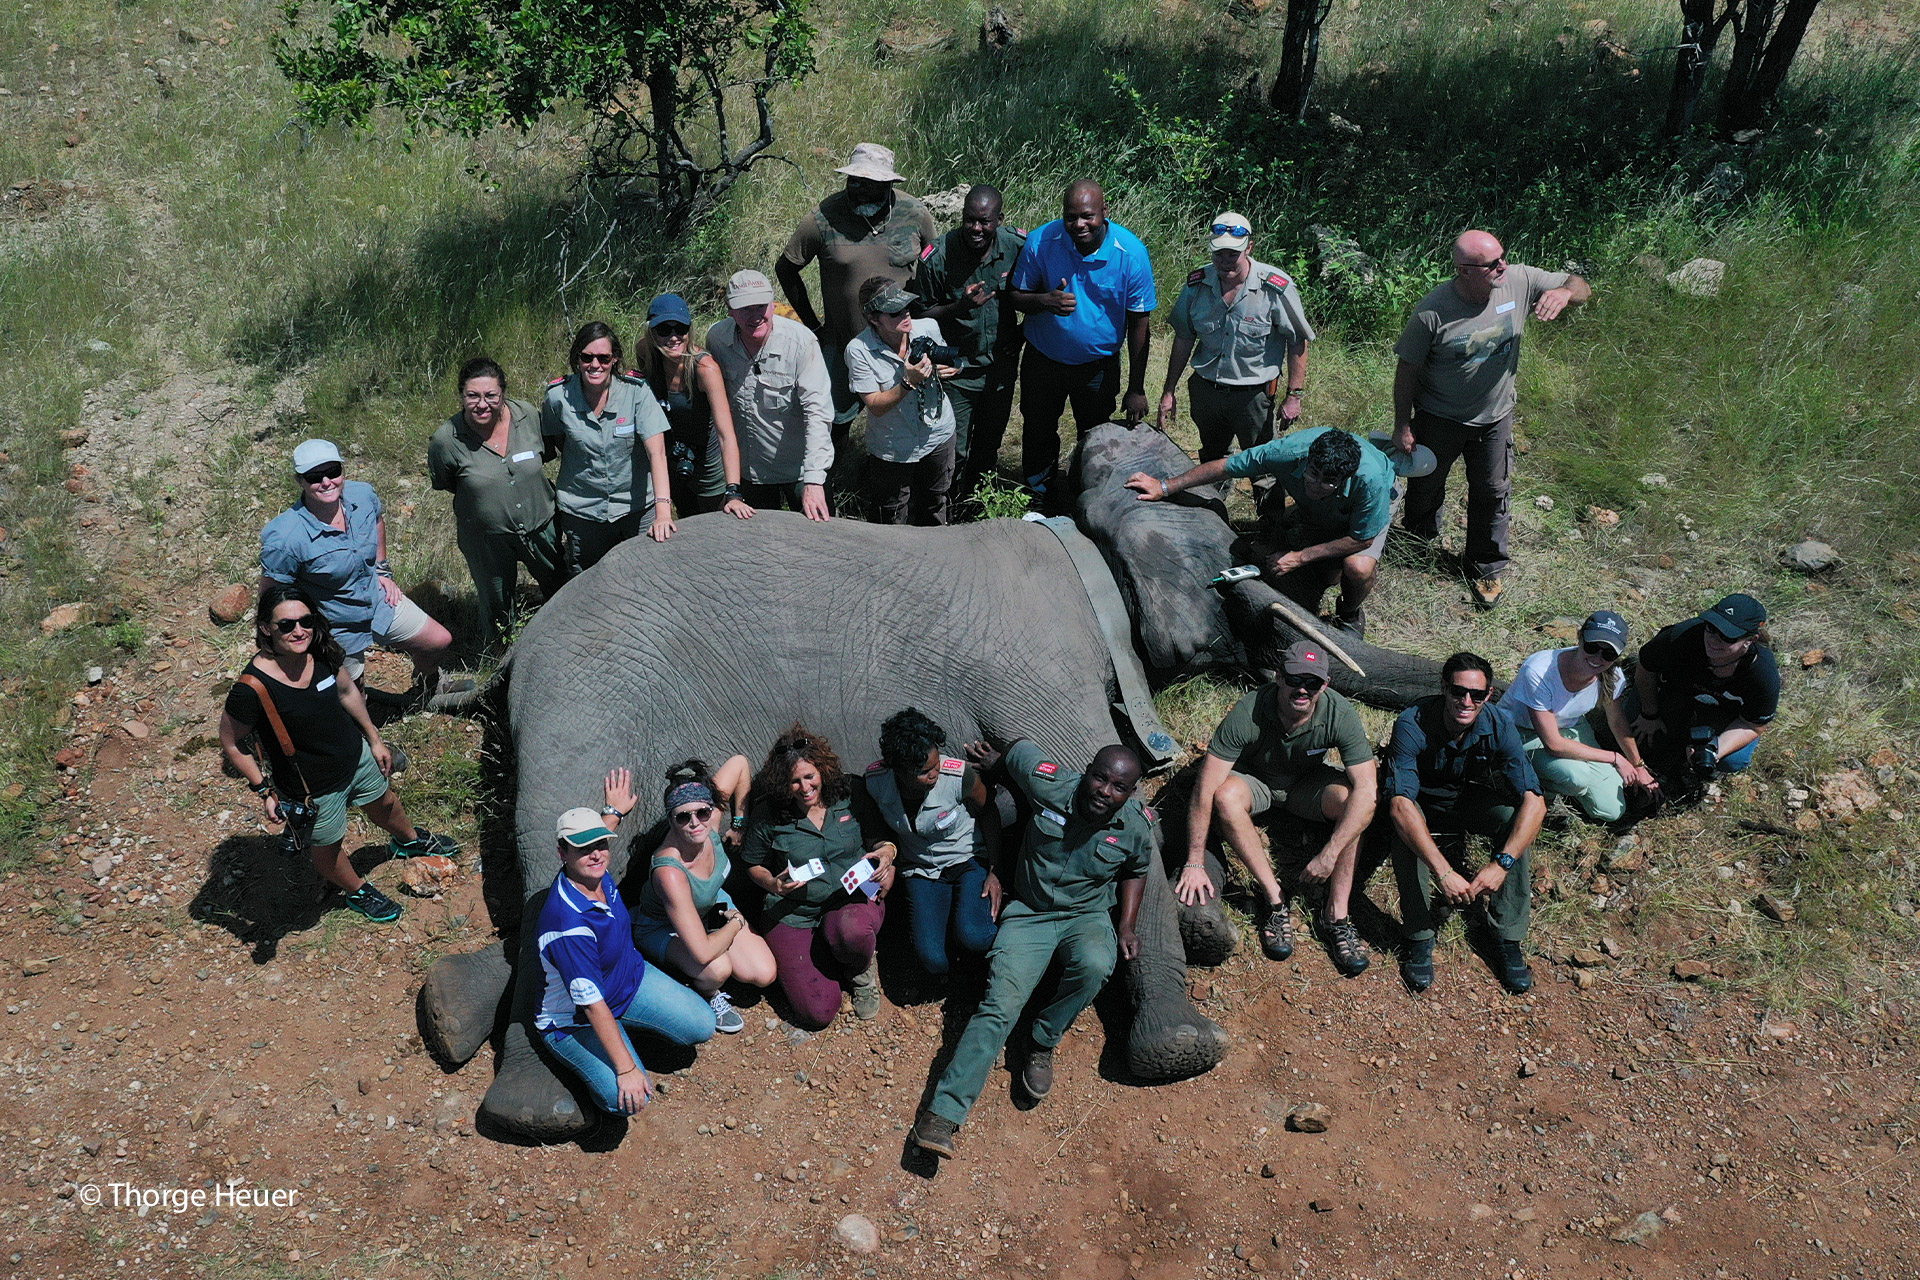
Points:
(285, 740)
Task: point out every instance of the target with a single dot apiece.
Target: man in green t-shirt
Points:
(1268, 757)
(1454, 392)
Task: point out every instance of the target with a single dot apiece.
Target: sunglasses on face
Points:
(1312, 684)
(287, 626)
(597, 357)
(1228, 229)
(332, 471)
(672, 329)
(1467, 694)
(1600, 649)
(1500, 261)
(688, 817)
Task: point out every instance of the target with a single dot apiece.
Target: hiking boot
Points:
(373, 904)
(424, 844)
(1354, 624)
(726, 1018)
(1036, 1077)
(1515, 976)
(1342, 940)
(1487, 592)
(1276, 932)
(933, 1133)
(866, 992)
(1416, 965)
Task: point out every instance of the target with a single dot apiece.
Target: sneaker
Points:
(1343, 944)
(1515, 976)
(1276, 932)
(1416, 965)
(933, 1133)
(1354, 624)
(424, 844)
(1487, 592)
(866, 992)
(1036, 1077)
(726, 1018)
(373, 904)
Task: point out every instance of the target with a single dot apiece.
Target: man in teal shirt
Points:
(1341, 491)
(1087, 841)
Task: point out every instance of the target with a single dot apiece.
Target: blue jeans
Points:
(661, 1006)
(935, 905)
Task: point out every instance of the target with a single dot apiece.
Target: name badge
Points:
(1503, 308)
(1316, 751)
(527, 456)
(324, 684)
(623, 428)
(945, 820)
(1051, 816)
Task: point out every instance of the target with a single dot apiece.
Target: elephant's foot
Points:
(462, 1002)
(528, 1100)
(1174, 1044)
(1206, 933)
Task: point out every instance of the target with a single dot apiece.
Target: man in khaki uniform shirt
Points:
(782, 409)
(1454, 392)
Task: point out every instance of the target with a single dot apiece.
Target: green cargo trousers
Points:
(1509, 911)
(494, 560)
(1023, 950)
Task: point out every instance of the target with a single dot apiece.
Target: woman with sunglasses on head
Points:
(337, 757)
(703, 455)
(333, 543)
(822, 933)
(597, 984)
(685, 921)
(491, 457)
(1548, 702)
(613, 455)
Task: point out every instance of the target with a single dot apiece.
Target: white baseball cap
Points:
(309, 454)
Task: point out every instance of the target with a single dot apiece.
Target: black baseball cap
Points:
(1737, 616)
(1607, 627)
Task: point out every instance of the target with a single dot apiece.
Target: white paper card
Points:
(525, 456)
(811, 869)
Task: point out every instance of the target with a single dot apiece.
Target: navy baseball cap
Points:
(1607, 627)
(669, 306)
(1737, 616)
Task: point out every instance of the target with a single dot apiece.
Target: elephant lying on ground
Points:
(665, 651)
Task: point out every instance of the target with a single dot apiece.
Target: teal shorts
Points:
(368, 785)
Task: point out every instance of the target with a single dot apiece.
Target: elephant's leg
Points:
(462, 1001)
(527, 1098)
(1170, 1038)
(1206, 933)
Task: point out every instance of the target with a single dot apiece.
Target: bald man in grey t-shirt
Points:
(1454, 392)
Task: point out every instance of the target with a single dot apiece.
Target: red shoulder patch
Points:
(1199, 274)
(1153, 815)
(926, 253)
(557, 381)
(949, 764)
(1046, 768)
(1278, 281)
(878, 766)
(1113, 839)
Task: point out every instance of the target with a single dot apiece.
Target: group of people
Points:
(932, 336)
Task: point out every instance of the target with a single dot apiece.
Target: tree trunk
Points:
(663, 89)
(1699, 32)
(1763, 54)
(1299, 57)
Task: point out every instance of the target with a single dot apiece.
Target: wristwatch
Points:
(1504, 861)
(261, 787)
(608, 811)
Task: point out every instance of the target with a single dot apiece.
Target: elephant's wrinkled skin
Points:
(715, 641)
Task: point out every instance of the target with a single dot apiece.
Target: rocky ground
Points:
(185, 1013)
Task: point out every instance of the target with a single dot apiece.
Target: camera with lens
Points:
(1705, 751)
(300, 818)
(938, 353)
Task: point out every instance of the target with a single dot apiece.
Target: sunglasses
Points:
(687, 817)
(1229, 229)
(595, 357)
(1500, 261)
(1467, 694)
(672, 329)
(332, 471)
(800, 743)
(1312, 684)
(287, 626)
(1600, 649)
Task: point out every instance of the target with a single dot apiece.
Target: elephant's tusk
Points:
(1311, 628)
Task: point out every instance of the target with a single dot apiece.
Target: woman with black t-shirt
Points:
(338, 758)
(1704, 691)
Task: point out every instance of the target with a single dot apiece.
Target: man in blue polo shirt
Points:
(1333, 530)
(1086, 283)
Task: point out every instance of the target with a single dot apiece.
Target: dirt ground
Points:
(185, 1013)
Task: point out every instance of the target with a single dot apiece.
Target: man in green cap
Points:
(1086, 833)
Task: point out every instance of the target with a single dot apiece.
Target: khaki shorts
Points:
(409, 620)
(1302, 797)
(368, 785)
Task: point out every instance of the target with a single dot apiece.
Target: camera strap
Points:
(280, 733)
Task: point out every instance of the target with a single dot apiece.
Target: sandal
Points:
(1276, 932)
(1348, 952)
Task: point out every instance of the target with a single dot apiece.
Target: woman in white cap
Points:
(1549, 701)
(333, 543)
(597, 984)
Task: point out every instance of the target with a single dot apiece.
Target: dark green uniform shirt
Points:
(778, 845)
(1253, 739)
(491, 493)
(988, 333)
(1067, 863)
